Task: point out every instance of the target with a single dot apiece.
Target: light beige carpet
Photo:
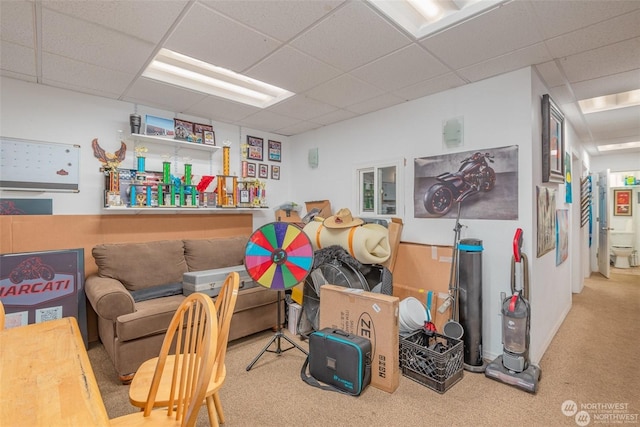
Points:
(594, 360)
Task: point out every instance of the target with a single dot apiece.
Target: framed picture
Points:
(183, 129)
(199, 129)
(254, 148)
(244, 196)
(263, 171)
(275, 172)
(275, 151)
(552, 141)
(159, 126)
(208, 137)
(251, 170)
(622, 202)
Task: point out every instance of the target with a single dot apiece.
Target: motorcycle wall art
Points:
(442, 182)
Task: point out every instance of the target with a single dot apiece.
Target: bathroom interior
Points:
(624, 236)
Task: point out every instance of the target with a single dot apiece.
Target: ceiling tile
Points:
(335, 117)
(17, 59)
(431, 86)
(268, 121)
(335, 42)
(145, 19)
(627, 122)
(290, 69)
(344, 91)
(161, 95)
(83, 77)
(16, 19)
(615, 83)
(509, 62)
(613, 59)
(302, 107)
(200, 32)
(550, 73)
(560, 17)
(484, 37)
(279, 19)
(90, 43)
(374, 104)
(595, 36)
(221, 110)
(298, 128)
(402, 68)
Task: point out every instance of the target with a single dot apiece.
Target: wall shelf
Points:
(139, 139)
(185, 210)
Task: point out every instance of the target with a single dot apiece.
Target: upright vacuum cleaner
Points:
(513, 366)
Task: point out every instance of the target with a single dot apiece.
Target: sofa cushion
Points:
(150, 318)
(157, 292)
(142, 265)
(207, 254)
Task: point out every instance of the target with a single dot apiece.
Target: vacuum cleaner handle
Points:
(517, 245)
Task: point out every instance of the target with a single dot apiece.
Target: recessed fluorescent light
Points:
(621, 146)
(424, 17)
(610, 102)
(184, 71)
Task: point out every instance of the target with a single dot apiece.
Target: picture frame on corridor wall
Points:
(275, 172)
(552, 141)
(622, 205)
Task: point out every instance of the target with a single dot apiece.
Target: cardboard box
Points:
(374, 316)
(395, 233)
(287, 216)
(423, 266)
(323, 205)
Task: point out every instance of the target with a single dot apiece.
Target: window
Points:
(380, 188)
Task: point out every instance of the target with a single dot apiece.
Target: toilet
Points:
(621, 248)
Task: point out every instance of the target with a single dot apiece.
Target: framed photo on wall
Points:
(263, 171)
(275, 172)
(552, 141)
(275, 151)
(254, 148)
(622, 202)
(251, 170)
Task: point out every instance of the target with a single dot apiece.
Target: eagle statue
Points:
(109, 161)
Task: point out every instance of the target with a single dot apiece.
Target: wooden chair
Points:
(225, 304)
(1, 315)
(183, 377)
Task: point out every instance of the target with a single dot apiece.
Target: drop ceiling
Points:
(341, 58)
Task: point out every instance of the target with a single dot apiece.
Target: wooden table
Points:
(46, 378)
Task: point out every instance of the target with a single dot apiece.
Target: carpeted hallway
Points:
(593, 362)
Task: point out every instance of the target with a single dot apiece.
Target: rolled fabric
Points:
(368, 243)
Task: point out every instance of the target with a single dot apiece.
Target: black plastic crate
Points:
(431, 359)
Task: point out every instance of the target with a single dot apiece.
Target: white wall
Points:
(497, 112)
(43, 113)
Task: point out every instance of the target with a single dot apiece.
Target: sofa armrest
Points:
(108, 297)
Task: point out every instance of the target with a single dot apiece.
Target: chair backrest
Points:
(225, 304)
(193, 333)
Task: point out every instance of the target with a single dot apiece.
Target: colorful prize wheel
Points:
(279, 255)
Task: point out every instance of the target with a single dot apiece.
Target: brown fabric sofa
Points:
(138, 288)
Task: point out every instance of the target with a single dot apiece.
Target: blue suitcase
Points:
(340, 360)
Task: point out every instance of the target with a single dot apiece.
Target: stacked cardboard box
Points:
(370, 315)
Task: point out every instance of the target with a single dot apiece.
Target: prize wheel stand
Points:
(278, 256)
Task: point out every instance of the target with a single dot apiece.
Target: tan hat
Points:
(342, 219)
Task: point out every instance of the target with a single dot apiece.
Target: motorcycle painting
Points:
(484, 181)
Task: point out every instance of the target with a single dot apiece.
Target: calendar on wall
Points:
(38, 166)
